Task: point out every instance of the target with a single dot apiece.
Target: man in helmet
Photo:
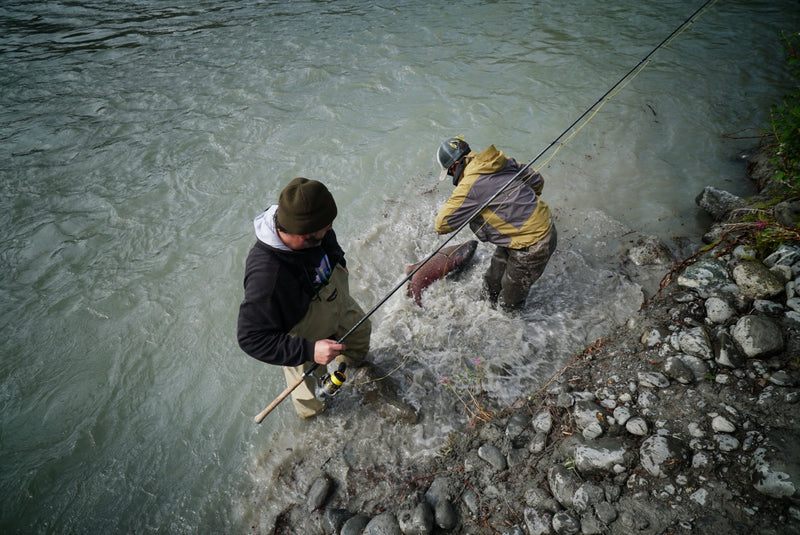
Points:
(297, 301)
(518, 221)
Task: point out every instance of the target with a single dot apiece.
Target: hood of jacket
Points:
(489, 161)
(266, 232)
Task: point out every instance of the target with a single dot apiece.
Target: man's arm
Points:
(261, 338)
(455, 212)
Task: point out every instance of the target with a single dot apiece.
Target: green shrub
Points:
(784, 132)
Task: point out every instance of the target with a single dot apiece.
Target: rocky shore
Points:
(684, 420)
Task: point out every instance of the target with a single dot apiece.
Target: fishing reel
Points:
(328, 386)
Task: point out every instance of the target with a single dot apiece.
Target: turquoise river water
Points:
(138, 139)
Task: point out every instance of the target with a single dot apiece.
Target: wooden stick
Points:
(263, 414)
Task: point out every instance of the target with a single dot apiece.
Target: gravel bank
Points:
(684, 420)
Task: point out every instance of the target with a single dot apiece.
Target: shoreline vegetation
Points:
(683, 420)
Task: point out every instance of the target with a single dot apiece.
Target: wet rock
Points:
(698, 366)
(541, 500)
(397, 410)
(767, 308)
(792, 318)
(637, 426)
(563, 484)
(538, 522)
(784, 273)
(605, 394)
(695, 430)
(586, 496)
(590, 524)
(334, 519)
(600, 456)
(565, 399)
(566, 523)
(438, 491)
(516, 456)
(726, 353)
(787, 213)
(757, 336)
(743, 252)
(722, 379)
(647, 399)
(674, 368)
(417, 521)
(717, 202)
(605, 512)
(318, 493)
(705, 276)
(648, 251)
(633, 522)
(543, 422)
(383, 524)
(767, 397)
(516, 425)
(726, 442)
(612, 492)
(653, 337)
(715, 233)
(592, 431)
(585, 412)
(492, 455)
(470, 500)
(662, 454)
(750, 440)
(776, 465)
(699, 496)
(720, 424)
(608, 403)
(701, 460)
(538, 443)
(622, 415)
(755, 281)
(652, 380)
(785, 255)
(790, 289)
(444, 515)
(781, 378)
(695, 342)
(355, 525)
(718, 310)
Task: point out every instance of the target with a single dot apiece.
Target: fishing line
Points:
(590, 112)
(582, 120)
(390, 372)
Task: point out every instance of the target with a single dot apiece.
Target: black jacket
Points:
(278, 287)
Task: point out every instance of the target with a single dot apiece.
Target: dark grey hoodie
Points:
(279, 284)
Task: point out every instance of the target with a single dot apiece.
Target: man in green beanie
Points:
(297, 300)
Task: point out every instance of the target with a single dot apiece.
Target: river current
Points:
(138, 140)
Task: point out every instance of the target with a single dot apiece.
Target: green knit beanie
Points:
(305, 206)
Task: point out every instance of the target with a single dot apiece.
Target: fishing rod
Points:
(593, 109)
